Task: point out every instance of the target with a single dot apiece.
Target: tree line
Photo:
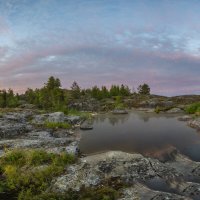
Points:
(52, 96)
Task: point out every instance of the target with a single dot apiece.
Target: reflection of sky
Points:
(101, 42)
(133, 133)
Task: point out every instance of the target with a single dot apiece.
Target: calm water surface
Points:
(145, 133)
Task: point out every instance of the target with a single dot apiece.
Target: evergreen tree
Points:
(96, 93)
(75, 89)
(114, 90)
(124, 90)
(105, 92)
(144, 89)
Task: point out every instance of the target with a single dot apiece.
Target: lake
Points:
(150, 134)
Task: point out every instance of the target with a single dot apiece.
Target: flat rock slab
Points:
(93, 170)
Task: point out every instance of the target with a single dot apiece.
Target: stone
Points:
(72, 148)
(86, 125)
(118, 111)
(195, 123)
(185, 118)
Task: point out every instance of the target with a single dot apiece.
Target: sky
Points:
(101, 42)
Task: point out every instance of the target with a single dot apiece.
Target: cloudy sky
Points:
(101, 42)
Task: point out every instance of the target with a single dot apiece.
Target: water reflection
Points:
(145, 133)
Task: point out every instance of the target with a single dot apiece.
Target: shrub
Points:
(157, 110)
(193, 108)
(30, 172)
(118, 103)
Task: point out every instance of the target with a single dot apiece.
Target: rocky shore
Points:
(137, 175)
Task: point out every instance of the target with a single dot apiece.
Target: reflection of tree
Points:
(124, 118)
(145, 118)
(102, 118)
(118, 119)
(113, 120)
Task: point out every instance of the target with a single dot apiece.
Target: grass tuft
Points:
(55, 125)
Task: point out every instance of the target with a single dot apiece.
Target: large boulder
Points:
(73, 148)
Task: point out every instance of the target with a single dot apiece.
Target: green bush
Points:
(119, 103)
(157, 110)
(193, 108)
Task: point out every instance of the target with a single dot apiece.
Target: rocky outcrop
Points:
(175, 110)
(156, 102)
(13, 125)
(89, 104)
(16, 131)
(56, 117)
(145, 178)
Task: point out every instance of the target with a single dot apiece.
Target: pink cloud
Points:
(103, 66)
